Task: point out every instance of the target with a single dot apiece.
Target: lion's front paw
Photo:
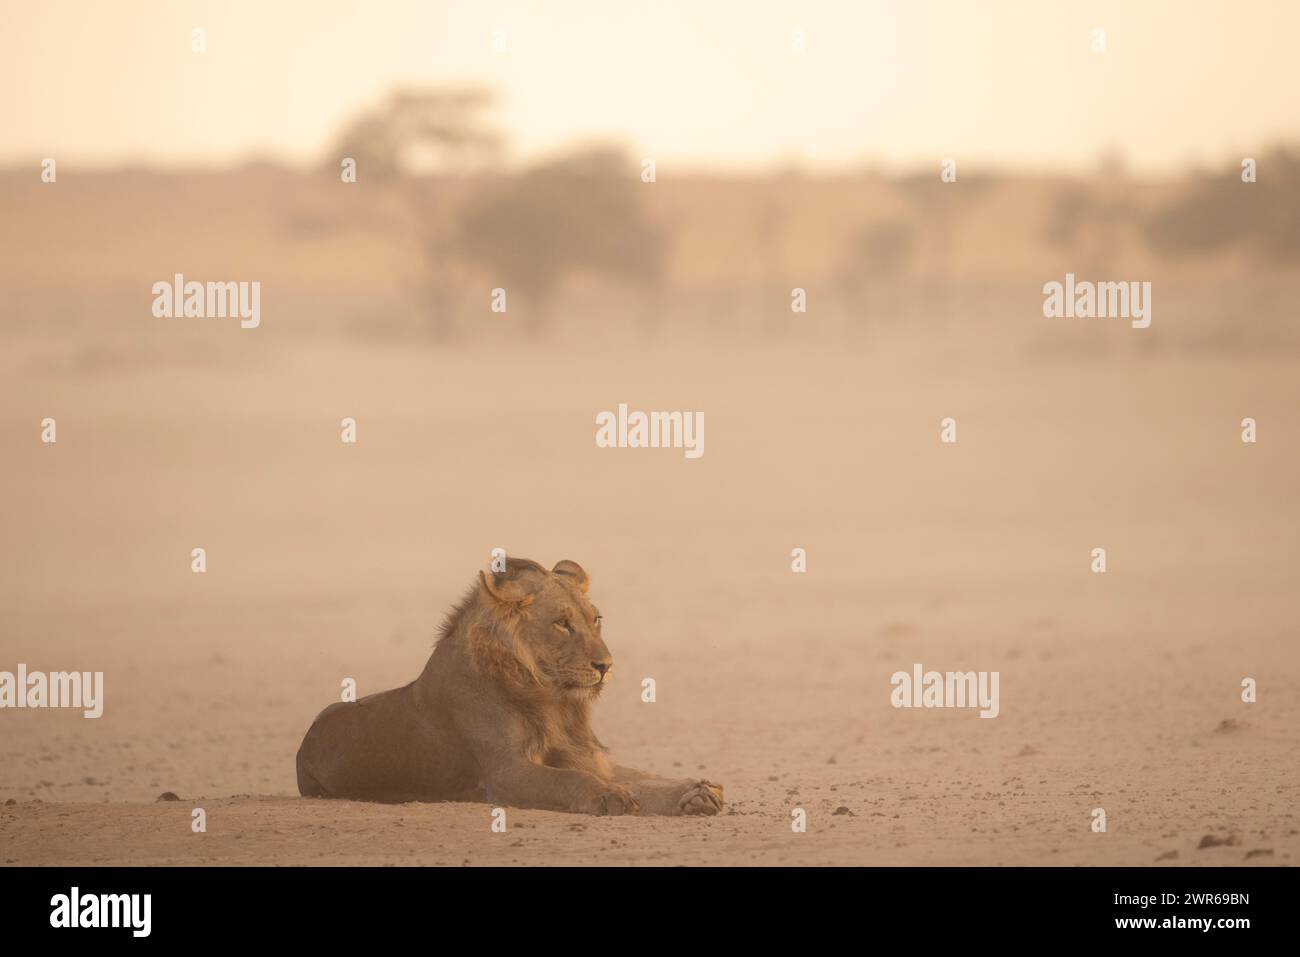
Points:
(701, 797)
(612, 800)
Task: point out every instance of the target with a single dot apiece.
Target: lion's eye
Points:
(563, 625)
(598, 620)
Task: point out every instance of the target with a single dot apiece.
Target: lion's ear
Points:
(505, 596)
(572, 571)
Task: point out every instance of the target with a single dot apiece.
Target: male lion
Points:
(501, 713)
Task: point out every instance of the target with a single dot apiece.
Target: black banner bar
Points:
(332, 905)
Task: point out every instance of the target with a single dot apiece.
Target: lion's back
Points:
(383, 748)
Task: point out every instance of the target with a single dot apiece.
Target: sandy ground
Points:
(329, 561)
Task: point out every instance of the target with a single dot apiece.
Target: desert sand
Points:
(326, 561)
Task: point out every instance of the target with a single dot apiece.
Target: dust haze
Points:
(475, 429)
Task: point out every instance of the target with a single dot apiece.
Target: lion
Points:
(501, 713)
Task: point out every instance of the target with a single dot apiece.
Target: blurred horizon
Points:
(776, 167)
(1107, 164)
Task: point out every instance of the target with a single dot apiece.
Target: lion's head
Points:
(537, 628)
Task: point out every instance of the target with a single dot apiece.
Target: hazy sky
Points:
(698, 82)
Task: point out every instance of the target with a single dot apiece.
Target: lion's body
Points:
(501, 713)
(383, 748)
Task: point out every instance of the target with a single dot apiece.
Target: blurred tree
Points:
(1218, 210)
(579, 212)
(419, 130)
(1089, 219)
(406, 147)
(939, 207)
(529, 228)
(873, 276)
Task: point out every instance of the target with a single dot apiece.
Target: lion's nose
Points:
(602, 666)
